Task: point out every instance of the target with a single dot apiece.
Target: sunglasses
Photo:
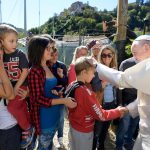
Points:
(107, 55)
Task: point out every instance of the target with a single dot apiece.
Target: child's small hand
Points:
(60, 94)
(22, 93)
(60, 72)
(54, 92)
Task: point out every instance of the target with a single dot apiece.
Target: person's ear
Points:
(146, 47)
(1, 41)
(83, 72)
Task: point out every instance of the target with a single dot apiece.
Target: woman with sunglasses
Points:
(107, 56)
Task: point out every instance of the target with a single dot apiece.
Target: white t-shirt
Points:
(6, 119)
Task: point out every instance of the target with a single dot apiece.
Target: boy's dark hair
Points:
(4, 29)
(84, 63)
(36, 49)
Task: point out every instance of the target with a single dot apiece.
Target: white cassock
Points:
(137, 77)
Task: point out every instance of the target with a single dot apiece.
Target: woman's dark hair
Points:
(36, 49)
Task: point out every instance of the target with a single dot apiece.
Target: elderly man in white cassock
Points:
(137, 77)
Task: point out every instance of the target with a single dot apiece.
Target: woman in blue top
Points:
(107, 56)
(45, 102)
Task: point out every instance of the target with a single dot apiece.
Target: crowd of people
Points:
(36, 90)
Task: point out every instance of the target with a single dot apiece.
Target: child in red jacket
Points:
(82, 118)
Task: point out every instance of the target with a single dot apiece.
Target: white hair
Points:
(143, 39)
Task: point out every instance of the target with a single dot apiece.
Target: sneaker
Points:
(34, 144)
(27, 137)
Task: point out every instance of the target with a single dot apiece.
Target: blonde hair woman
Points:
(107, 56)
(79, 52)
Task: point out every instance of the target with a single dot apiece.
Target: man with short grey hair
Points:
(137, 77)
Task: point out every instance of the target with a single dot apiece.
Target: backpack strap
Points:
(71, 89)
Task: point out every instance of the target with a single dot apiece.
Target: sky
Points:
(13, 10)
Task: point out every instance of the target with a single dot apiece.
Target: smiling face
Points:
(9, 42)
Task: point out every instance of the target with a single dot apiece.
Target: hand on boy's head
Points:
(91, 61)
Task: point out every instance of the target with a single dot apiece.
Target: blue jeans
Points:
(46, 139)
(125, 131)
(61, 124)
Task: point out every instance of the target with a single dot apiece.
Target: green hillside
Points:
(83, 19)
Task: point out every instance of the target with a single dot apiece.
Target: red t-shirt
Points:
(82, 118)
(71, 74)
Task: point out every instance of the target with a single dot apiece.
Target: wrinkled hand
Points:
(70, 102)
(123, 110)
(60, 72)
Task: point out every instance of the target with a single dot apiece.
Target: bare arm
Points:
(6, 89)
(21, 80)
(69, 102)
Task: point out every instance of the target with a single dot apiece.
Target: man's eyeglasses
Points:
(107, 55)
